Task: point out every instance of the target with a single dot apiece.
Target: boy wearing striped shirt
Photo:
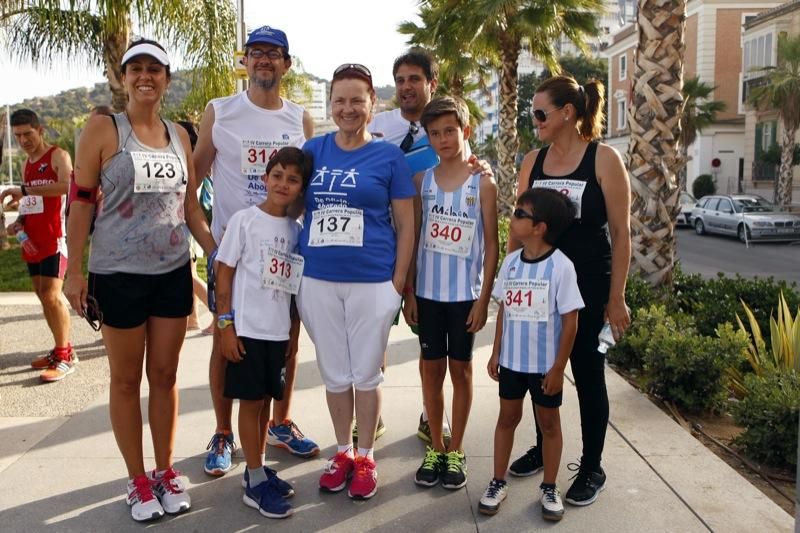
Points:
(457, 248)
(536, 325)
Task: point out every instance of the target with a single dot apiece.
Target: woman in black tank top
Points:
(569, 118)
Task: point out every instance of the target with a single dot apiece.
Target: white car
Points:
(747, 216)
(687, 203)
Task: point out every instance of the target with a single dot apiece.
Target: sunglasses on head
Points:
(521, 213)
(541, 115)
(361, 69)
(93, 314)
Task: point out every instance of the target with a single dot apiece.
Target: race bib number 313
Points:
(526, 300)
(449, 234)
(337, 226)
(157, 172)
(283, 271)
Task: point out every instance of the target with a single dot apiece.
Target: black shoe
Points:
(428, 473)
(454, 470)
(587, 485)
(528, 464)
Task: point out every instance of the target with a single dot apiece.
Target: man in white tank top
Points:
(238, 135)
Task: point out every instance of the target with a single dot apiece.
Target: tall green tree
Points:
(499, 29)
(653, 157)
(198, 31)
(780, 93)
(698, 113)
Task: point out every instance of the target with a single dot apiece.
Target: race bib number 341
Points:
(449, 234)
(283, 271)
(526, 300)
(337, 226)
(157, 172)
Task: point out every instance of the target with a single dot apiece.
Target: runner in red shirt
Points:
(41, 218)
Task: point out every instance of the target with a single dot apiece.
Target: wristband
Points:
(408, 290)
(24, 191)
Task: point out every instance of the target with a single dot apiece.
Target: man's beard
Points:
(264, 84)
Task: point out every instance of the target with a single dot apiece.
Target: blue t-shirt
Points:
(367, 178)
(421, 156)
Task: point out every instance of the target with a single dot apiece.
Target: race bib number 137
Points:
(337, 226)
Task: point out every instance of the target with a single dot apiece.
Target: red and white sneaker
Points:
(170, 491)
(365, 479)
(337, 471)
(58, 369)
(144, 505)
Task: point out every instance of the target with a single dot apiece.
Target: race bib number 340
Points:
(158, 172)
(283, 271)
(526, 300)
(337, 226)
(449, 234)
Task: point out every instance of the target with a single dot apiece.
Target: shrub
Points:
(769, 413)
(629, 352)
(503, 224)
(703, 185)
(690, 369)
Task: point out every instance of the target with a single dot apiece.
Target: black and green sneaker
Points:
(428, 474)
(379, 431)
(454, 475)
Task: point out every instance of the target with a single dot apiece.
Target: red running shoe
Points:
(337, 472)
(365, 479)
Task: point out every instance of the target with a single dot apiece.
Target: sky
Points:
(345, 31)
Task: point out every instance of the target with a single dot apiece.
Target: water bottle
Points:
(605, 339)
(26, 243)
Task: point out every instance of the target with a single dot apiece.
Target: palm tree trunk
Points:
(508, 142)
(3, 233)
(114, 46)
(653, 157)
(783, 185)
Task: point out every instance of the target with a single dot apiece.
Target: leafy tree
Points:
(781, 93)
(199, 30)
(697, 114)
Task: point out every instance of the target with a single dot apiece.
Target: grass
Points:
(14, 275)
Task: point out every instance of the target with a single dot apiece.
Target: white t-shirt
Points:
(393, 126)
(549, 284)
(246, 137)
(260, 313)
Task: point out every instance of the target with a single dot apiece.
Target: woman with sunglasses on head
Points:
(355, 265)
(140, 280)
(569, 120)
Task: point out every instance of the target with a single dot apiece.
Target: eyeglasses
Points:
(271, 54)
(93, 314)
(521, 213)
(408, 140)
(361, 69)
(541, 115)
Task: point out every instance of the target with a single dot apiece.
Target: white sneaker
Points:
(144, 505)
(552, 508)
(495, 493)
(170, 491)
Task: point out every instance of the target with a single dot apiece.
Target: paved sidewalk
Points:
(65, 474)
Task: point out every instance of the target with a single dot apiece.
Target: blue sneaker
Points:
(267, 499)
(284, 487)
(218, 460)
(289, 436)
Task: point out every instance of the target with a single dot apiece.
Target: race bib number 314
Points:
(255, 156)
(526, 300)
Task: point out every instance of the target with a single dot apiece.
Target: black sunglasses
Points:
(361, 69)
(408, 140)
(521, 213)
(93, 314)
(541, 115)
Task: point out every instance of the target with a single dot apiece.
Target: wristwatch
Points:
(223, 321)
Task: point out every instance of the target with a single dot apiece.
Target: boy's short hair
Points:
(418, 57)
(444, 105)
(289, 155)
(25, 117)
(551, 207)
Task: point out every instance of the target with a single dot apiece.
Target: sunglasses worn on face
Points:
(93, 314)
(269, 54)
(361, 69)
(521, 213)
(541, 115)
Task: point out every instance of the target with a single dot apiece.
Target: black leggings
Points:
(588, 369)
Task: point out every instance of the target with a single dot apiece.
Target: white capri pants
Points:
(349, 325)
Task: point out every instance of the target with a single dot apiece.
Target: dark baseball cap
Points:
(268, 35)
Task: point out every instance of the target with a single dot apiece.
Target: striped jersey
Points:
(449, 267)
(534, 293)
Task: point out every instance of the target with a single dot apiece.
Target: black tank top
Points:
(586, 241)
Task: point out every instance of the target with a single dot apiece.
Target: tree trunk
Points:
(114, 46)
(653, 157)
(783, 184)
(3, 234)
(508, 142)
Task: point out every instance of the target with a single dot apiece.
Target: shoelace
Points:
(295, 431)
(143, 490)
(170, 482)
(582, 475)
(453, 462)
(550, 494)
(333, 465)
(494, 488)
(431, 459)
(363, 467)
(219, 442)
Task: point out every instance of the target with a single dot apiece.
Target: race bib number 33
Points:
(526, 300)
(449, 234)
(337, 226)
(158, 172)
(31, 205)
(283, 271)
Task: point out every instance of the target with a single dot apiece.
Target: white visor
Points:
(146, 49)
